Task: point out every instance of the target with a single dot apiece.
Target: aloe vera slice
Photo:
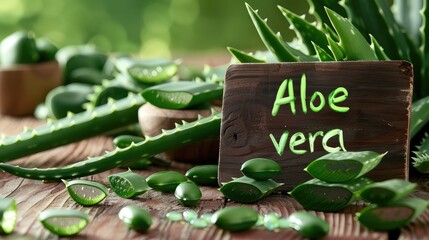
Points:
(203, 175)
(135, 218)
(392, 216)
(86, 193)
(188, 193)
(260, 168)
(183, 94)
(343, 166)
(248, 190)
(148, 71)
(307, 224)
(383, 193)
(128, 184)
(321, 196)
(8, 215)
(235, 219)
(64, 222)
(165, 181)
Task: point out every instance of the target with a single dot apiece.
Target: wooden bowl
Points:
(152, 119)
(23, 87)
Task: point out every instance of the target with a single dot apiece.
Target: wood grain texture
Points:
(35, 196)
(379, 98)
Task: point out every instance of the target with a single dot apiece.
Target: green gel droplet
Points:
(189, 215)
(271, 221)
(284, 223)
(175, 216)
(260, 221)
(199, 223)
(207, 217)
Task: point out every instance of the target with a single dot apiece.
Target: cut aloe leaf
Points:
(86, 193)
(148, 71)
(64, 222)
(392, 216)
(248, 190)
(128, 184)
(8, 215)
(124, 141)
(323, 55)
(343, 166)
(383, 193)
(188, 194)
(244, 57)
(322, 196)
(184, 94)
(203, 175)
(307, 224)
(136, 218)
(260, 168)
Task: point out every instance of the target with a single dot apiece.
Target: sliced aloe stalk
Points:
(64, 222)
(392, 216)
(8, 215)
(86, 193)
(321, 196)
(180, 95)
(383, 193)
(248, 190)
(343, 166)
(128, 184)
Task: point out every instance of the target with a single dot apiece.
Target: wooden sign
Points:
(294, 113)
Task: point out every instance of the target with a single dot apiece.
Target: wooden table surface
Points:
(35, 196)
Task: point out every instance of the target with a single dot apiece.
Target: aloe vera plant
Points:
(347, 30)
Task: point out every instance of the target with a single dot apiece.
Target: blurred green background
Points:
(146, 27)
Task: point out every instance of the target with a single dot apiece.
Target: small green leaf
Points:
(386, 192)
(188, 193)
(183, 94)
(317, 7)
(244, 57)
(336, 49)
(128, 184)
(352, 41)
(203, 175)
(8, 215)
(322, 54)
(419, 115)
(64, 222)
(260, 168)
(86, 193)
(379, 51)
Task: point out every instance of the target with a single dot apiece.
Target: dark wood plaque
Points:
(296, 112)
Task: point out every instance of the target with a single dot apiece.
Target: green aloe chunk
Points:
(322, 196)
(307, 224)
(243, 57)
(355, 45)
(188, 193)
(148, 71)
(165, 181)
(203, 175)
(378, 49)
(46, 49)
(190, 215)
(18, 48)
(128, 184)
(183, 94)
(135, 218)
(386, 192)
(343, 166)
(86, 193)
(235, 219)
(174, 216)
(8, 215)
(260, 168)
(323, 55)
(70, 98)
(336, 49)
(64, 222)
(393, 215)
(248, 190)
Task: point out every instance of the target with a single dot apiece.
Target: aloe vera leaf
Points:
(317, 8)
(8, 215)
(135, 218)
(386, 192)
(379, 51)
(187, 133)
(322, 54)
(423, 86)
(128, 184)
(336, 49)
(69, 98)
(321, 196)
(421, 160)
(419, 115)
(260, 168)
(365, 15)
(352, 41)
(392, 216)
(270, 39)
(405, 15)
(248, 190)
(71, 128)
(307, 224)
(343, 166)
(244, 57)
(183, 94)
(306, 31)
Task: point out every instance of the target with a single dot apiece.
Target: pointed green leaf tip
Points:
(354, 44)
(243, 57)
(270, 39)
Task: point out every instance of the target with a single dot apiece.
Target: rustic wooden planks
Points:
(369, 110)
